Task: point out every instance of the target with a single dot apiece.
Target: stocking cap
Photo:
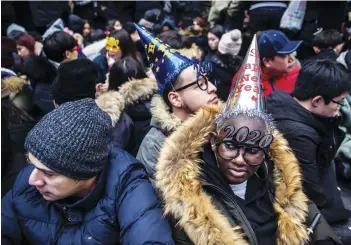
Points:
(247, 95)
(166, 63)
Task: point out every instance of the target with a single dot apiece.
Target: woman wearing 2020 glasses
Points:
(227, 176)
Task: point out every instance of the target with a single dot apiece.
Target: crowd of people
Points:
(175, 122)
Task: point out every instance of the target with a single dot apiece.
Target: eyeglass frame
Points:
(195, 82)
(341, 103)
(237, 154)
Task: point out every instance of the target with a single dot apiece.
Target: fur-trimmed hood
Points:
(131, 92)
(15, 84)
(180, 186)
(162, 117)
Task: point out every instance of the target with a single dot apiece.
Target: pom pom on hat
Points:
(230, 43)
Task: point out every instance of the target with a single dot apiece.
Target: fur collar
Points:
(131, 92)
(178, 180)
(15, 84)
(167, 121)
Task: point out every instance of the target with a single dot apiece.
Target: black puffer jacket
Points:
(224, 68)
(315, 140)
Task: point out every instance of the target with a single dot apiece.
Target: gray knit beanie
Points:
(72, 139)
(230, 43)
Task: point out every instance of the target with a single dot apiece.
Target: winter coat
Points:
(286, 82)
(324, 54)
(315, 140)
(21, 96)
(163, 123)
(224, 68)
(344, 151)
(129, 112)
(205, 213)
(122, 208)
(45, 13)
(101, 62)
(12, 160)
(222, 9)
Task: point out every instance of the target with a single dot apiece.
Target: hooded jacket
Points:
(129, 110)
(314, 140)
(163, 123)
(224, 68)
(122, 208)
(204, 213)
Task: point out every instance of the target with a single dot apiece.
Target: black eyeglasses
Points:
(229, 150)
(341, 103)
(202, 83)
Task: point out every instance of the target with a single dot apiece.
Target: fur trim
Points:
(131, 92)
(15, 84)
(177, 178)
(192, 52)
(160, 113)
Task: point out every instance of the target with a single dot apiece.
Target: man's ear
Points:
(316, 101)
(266, 62)
(174, 99)
(316, 50)
(56, 105)
(67, 55)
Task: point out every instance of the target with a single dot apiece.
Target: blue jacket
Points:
(123, 208)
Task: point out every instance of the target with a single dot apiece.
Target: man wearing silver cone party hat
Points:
(227, 176)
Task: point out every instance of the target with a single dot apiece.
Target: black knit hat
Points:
(72, 139)
(75, 80)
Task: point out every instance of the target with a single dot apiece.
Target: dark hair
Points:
(97, 35)
(38, 69)
(123, 70)
(172, 38)
(57, 44)
(217, 30)
(327, 39)
(27, 41)
(129, 27)
(125, 43)
(200, 21)
(324, 77)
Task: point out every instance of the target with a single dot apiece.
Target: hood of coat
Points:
(162, 118)
(130, 93)
(178, 180)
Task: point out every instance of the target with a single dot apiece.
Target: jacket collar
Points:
(178, 180)
(162, 118)
(131, 92)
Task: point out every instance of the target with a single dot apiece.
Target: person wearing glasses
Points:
(228, 176)
(183, 88)
(309, 119)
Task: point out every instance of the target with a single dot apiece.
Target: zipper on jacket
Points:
(237, 207)
(272, 83)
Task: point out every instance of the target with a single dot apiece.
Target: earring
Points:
(266, 167)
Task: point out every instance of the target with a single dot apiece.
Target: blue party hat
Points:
(166, 63)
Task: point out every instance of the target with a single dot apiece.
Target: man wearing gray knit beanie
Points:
(76, 191)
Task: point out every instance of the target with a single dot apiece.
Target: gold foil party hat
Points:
(247, 94)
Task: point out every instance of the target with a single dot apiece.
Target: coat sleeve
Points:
(149, 151)
(10, 229)
(305, 149)
(139, 210)
(216, 10)
(323, 233)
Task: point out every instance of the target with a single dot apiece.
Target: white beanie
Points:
(230, 43)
